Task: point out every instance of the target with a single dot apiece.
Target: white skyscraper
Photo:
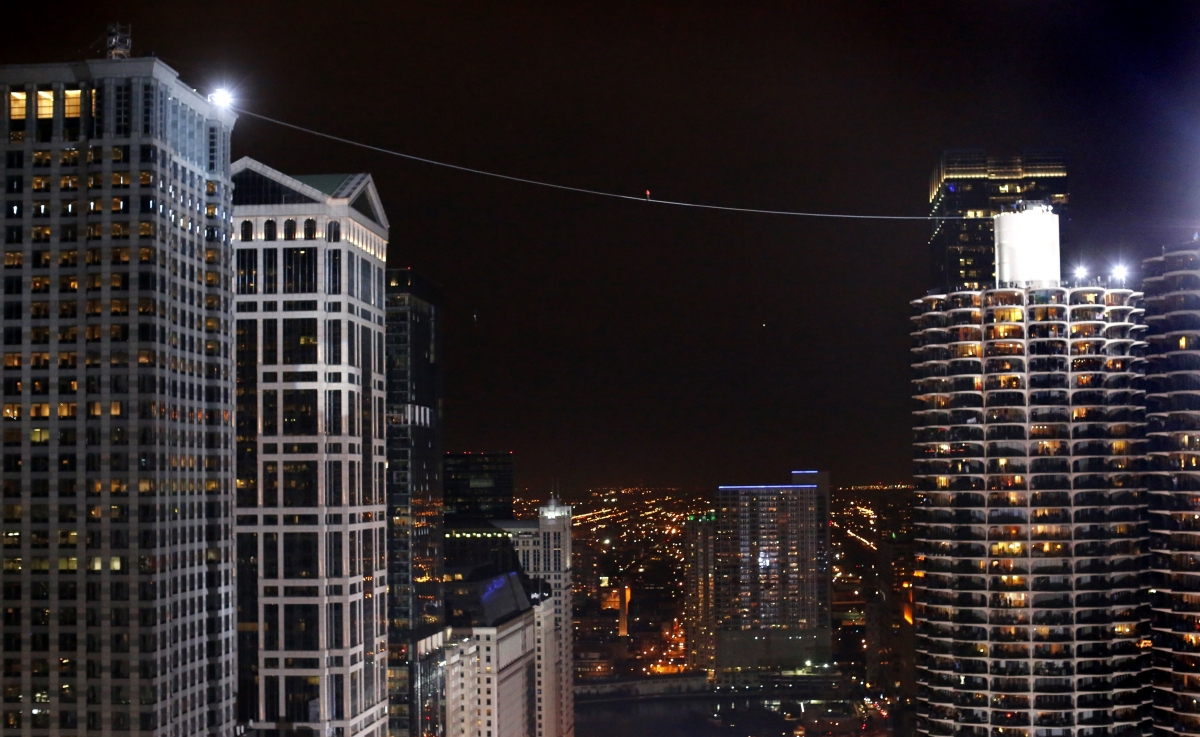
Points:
(544, 547)
(1029, 597)
(118, 381)
(311, 522)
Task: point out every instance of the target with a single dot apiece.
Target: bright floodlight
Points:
(221, 98)
(1120, 272)
(1080, 272)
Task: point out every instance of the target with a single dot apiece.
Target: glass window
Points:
(300, 340)
(299, 270)
(71, 103)
(270, 416)
(289, 230)
(270, 270)
(300, 416)
(300, 483)
(269, 230)
(333, 271)
(300, 554)
(247, 271)
(16, 105)
(333, 343)
(310, 230)
(270, 351)
(301, 633)
(247, 230)
(45, 104)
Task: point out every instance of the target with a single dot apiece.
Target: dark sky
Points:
(610, 342)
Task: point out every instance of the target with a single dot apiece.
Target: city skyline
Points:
(823, 108)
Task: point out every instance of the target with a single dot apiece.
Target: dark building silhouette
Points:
(416, 614)
(478, 486)
(969, 183)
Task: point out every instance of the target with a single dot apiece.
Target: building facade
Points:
(117, 574)
(311, 526)
(544, 549)
(1030, 539)
(771, 597)
(416, 612)
(971, 185)
(479, 486)
(490, 679)
(1173, 483)
(699, 574)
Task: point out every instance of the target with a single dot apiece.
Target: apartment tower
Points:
(771, 596)
(1173, 483)
(311, 518)
(117, 471)
(1030, 540)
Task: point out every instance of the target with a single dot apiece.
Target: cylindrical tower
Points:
(1172, 284)
(1028, 430)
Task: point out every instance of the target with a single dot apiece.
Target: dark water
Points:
(687, 717)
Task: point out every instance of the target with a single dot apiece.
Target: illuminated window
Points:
(16, 105)
(71, 106)
(45, 104)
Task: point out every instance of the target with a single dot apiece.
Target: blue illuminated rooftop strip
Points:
(773, 486)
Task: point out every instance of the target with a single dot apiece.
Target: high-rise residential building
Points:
(311, 526)
(544, 548)
(1030, 540)
(771, 597)
(117, 472)
(699, 574)
(416, 615)
(479, 486)
(970, 184)
(1173, 483)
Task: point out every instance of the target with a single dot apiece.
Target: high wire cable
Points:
(582, 190)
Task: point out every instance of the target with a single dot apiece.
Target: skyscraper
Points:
(1030, 541)
(970, 184)
(771, 597)
(311, 532)
(479, 486)
(416, 615)
(1173, 478)
(699, 574)
(544, 548)
(118, 399)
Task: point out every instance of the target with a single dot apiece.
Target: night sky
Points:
(611, 342)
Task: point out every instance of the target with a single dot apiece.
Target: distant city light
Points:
(221, 98)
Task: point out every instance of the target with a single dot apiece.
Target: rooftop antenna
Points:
(118, 41)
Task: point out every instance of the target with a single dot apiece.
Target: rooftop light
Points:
(221, 97)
